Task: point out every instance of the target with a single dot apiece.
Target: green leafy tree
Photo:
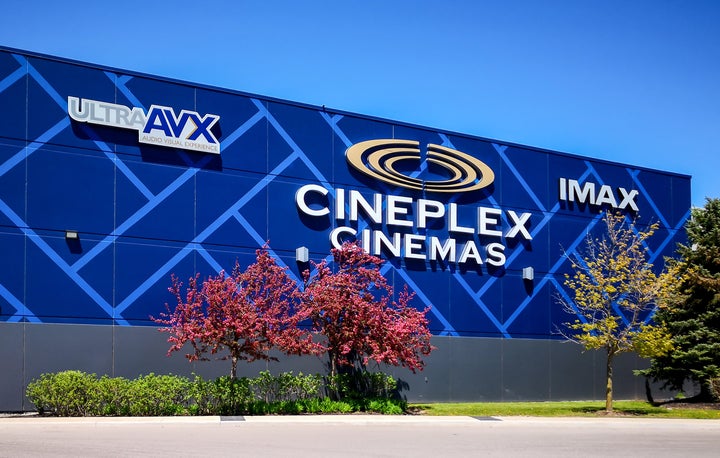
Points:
(615, 291)
(693, 318)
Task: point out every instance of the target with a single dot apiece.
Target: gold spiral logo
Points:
(379, 159)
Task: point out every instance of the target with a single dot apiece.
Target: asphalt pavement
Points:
(358, 436)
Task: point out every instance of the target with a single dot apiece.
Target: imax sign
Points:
(160, 126)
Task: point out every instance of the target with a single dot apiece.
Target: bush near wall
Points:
(76, 393)
(714, 384)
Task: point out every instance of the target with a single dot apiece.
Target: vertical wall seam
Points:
(25, 240)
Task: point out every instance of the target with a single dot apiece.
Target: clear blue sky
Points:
(630, 81)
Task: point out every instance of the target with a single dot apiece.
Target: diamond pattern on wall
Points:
(146, 191)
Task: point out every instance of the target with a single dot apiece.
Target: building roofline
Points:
(326, 109)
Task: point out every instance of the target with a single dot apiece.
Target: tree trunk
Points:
(334, 388)
(648, 391)
(609, 385)
(233, 367)
(333, 365)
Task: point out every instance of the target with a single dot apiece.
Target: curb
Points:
(317, 419)
(351, 419)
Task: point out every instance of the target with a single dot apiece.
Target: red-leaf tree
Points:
(247, 313)
(352, 309)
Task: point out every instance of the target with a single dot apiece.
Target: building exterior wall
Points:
(143, 210)
(461, 369)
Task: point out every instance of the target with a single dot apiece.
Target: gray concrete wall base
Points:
(460, 369)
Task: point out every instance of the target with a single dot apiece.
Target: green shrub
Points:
(159, 395)
(285, 387)
(268, 388)
(387, 406)
(327, 405)
(75, 393)
(362, 385)
(66, 393)
(222, 396)
(113, 396)
(310, 405)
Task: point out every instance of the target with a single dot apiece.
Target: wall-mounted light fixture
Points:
(528, 273)
(72, 235)
(302, 254)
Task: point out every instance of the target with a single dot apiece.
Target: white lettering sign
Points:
(161, 126)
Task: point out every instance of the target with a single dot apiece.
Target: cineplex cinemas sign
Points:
(160, 126)
(397, 225)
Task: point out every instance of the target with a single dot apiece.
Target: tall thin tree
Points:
(615, 290)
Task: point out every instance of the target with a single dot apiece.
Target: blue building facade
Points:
(111, 181)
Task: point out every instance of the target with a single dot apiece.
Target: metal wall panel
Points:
(459, 370)
(12, 381)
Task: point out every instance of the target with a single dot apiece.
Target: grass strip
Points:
(564, 409)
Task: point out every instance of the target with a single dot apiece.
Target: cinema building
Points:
(111, 181)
